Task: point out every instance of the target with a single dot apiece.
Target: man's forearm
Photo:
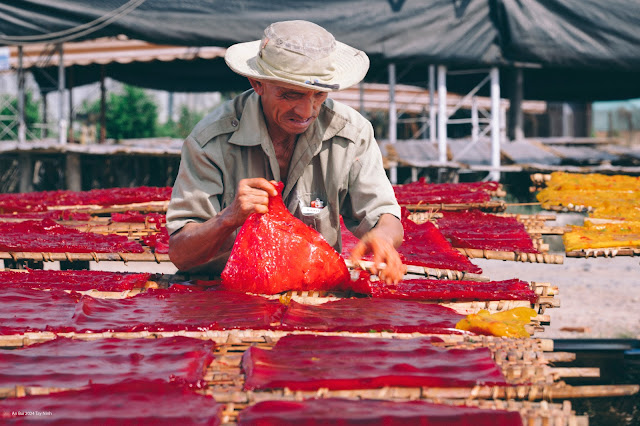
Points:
(197, 243)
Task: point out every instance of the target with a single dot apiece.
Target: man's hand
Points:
(252, 196)
(197, 243)
(382, 241)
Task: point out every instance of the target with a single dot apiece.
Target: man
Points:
(285, 129)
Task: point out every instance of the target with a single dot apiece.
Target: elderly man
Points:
(285, 129)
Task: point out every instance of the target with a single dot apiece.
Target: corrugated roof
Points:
(108, 50)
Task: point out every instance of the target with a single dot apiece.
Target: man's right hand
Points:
(252, 196)
(197, 243)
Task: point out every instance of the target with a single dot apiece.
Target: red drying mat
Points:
(41, 201)
(51, 214)
(478, 230)
(138, 217)
(423, 245)
(421, 192)
(130, 402)
(74, 280)
(67, 363)
(24, 309)
(369, 315)
(48, 236)
(445, 290)
(311, 362)
(159, 241)
(276, 252)
(344, 412)
(178, 309)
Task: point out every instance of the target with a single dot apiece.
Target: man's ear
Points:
(257, 86)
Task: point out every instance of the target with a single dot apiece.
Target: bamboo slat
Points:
(605, 252)
(153, 206)
(489, 206)
(97, 257)
(514, 256)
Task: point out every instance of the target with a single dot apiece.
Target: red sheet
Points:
(41, 201)
(66, 363)
(178, 309)
(423, 245)
(445, 290)
(475, 229)
(74, 280)
(421, 192)
(137, 217)
(48, 236)
(339, 412)
(24, 309)
(131, 402)
(364, 315)
(309, 362)
(276, 252)
(51, 214)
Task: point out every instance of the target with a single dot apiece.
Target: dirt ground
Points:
(599, 294)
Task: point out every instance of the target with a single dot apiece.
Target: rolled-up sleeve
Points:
(370, 191)
(197, 189)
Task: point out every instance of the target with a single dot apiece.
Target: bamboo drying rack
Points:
(147, 256)
(471, 253)
(605, 252)
(489, 206)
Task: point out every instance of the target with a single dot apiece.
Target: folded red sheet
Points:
(311, 362)
(423, 245)
(365, 315)
(339, 412)
(421, 192)
(24, 309)
(74, 280)
(67, 363)
(475, 229)
(130, 402)
(276, 252)
(159, 241)
(178, 309)
(47, 236)
(445, 290)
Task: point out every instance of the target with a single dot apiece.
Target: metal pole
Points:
(393, 118)
(475, 126)
(103, 106)
(62, 123)
(495, 124)
(442, 113)
(22, 128)
(432, 103)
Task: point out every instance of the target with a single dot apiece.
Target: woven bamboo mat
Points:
(447, 274)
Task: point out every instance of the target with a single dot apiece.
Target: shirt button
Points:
(234, 123)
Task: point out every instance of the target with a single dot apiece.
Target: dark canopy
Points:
(568, 49)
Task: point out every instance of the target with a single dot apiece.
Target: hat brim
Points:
(351, 66)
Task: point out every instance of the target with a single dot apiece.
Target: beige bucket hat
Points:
(299, 53)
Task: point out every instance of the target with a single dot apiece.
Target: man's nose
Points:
(305, 107)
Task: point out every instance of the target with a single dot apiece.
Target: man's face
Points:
(288, 109)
